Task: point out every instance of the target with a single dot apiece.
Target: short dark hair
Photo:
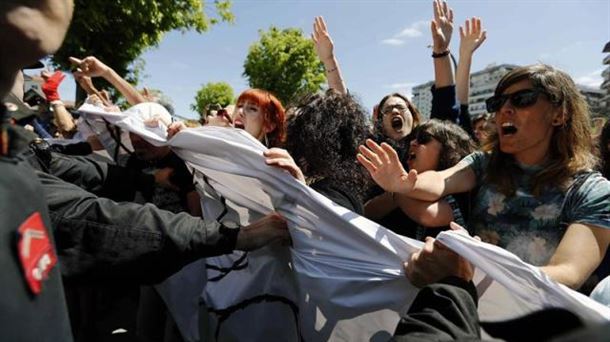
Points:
(456, 142)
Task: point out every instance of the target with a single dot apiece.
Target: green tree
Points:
(117, 32)
(285, 63)
(211, 93)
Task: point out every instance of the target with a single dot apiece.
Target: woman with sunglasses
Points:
(537, 194)
(437, 145)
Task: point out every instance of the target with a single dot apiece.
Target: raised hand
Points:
(322, 40)
(281, 158)
(383, 164)
(90, 66)
(472, 36)
(441, 26)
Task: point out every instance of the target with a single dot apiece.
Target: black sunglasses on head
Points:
(519, 99)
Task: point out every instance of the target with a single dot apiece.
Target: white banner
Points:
(342, 278)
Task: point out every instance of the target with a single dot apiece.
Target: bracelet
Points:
(440, 54)
(331, 70)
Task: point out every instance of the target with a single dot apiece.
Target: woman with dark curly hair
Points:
(323, 136)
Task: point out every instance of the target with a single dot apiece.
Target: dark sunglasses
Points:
(519, 99)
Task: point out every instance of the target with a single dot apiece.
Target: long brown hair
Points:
(273, 112)
(570, 149)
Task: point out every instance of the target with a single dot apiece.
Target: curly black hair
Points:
(323, 136)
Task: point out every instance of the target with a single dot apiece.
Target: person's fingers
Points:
(439, 246)
(276, 152)
(152, 123)
(456, 227)
(374, 147)
(436, 10)
(372, 156)
(323, 24)
(366, 163)
(432, 27)
(483, 37)
(390, 153)
(450, 17)
(412, 176)
(75, 60)
(459, 229)
(428, 248)
(462, 34)
(468, 27)
(444, 9)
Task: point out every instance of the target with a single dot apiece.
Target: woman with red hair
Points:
(262, 115)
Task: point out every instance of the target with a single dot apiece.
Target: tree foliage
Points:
(212, 93)
(285, 63)
(118, 31)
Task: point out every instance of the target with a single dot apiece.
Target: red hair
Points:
(273, 112)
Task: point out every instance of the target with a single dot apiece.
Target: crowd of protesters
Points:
(114, 213)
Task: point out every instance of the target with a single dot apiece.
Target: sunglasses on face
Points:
(389, 108)
(519, 99)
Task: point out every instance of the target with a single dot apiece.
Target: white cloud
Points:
(393, 41)
(412, 31)
(593, 79)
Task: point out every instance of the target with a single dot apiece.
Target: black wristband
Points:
(440, 54)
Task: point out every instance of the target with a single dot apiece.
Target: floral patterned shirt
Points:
(532, 227)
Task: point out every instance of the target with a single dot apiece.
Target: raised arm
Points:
(384, 166)
(324, 48)
(93, 67)
(472, 36)
(63, 118)
(580, 251)
(442, 28)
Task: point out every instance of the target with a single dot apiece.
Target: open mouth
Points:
(397, 123)
(238, 124)
(411, 156)
(508, 128)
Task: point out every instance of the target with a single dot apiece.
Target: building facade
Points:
(422, 99)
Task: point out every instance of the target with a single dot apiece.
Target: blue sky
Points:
(381, 45)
